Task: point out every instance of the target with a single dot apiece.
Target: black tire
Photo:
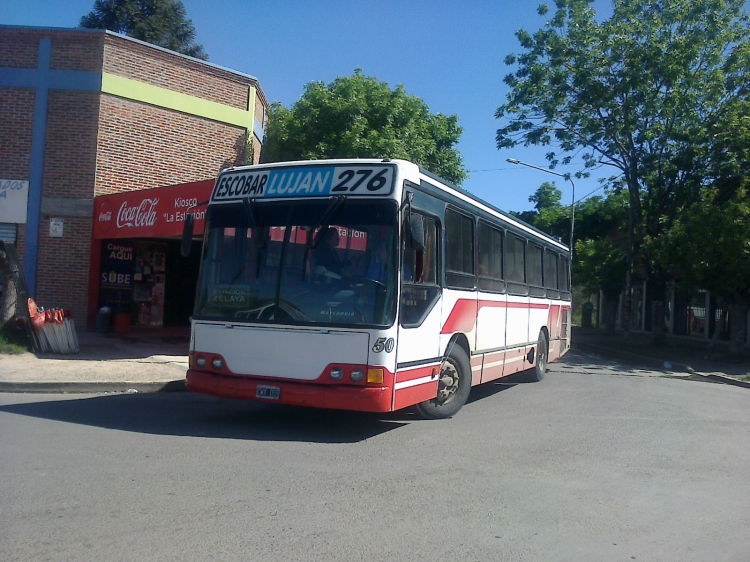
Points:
(542, 353)
(451, 397)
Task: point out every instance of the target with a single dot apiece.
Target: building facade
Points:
(85, 113)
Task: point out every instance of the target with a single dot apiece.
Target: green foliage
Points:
(159, 22)
(548, 215)
(600, 265)
(599, 258)
(360, 117)
(645, 93)
(710, 246)
(13, 340)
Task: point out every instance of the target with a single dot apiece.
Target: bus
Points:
(370, 285)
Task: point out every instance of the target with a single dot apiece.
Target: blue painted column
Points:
(42, 79)
(34, 208)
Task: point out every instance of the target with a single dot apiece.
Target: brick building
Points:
(85, 113)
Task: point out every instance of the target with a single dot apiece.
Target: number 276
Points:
(376, 182)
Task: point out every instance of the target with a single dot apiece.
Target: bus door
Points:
(418, 351)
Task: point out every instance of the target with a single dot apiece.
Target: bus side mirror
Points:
(416, 232)
(187, 235)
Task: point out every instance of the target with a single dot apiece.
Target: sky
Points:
(449, 53)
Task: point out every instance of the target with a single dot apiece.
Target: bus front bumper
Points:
(339, 397)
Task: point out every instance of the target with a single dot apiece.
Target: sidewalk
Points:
(148, 361)
(156, 361)
(678, 354)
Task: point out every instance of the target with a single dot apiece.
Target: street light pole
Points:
(566, 177)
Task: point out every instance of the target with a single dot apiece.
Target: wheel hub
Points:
(448, 384)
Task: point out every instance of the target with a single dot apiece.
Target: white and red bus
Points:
(369, 285)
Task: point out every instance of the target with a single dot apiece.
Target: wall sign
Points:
(56, 228)
(151, 213)
(116, 275)
(14, 197)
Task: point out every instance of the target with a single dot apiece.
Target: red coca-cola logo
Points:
(104, 217)
(134, 217)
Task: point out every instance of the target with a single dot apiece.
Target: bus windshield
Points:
(321, 262)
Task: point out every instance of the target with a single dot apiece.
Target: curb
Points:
(91, 387)
(724, 379)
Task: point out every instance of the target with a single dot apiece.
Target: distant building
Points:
(86, 113)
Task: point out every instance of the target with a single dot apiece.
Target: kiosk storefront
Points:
(137, 271)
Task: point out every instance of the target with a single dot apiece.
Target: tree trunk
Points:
(610, 311)
(658, 294)
(737, 327)
(658, 334)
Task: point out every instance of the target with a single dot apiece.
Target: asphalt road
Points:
(596, 462)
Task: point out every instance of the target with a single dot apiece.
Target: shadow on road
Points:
(192, 415)
(195, 415)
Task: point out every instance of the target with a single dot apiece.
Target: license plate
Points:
(268, 392)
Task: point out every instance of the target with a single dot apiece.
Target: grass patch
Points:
(13, 339)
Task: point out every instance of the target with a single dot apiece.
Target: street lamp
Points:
(566, 177)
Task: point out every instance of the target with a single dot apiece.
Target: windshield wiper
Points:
(259, 240)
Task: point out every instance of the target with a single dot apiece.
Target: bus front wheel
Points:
(453, 387)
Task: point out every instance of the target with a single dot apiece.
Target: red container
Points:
(122, 323)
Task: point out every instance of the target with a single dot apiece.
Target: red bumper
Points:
(339, 397)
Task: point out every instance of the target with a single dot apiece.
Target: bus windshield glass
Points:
(310, 262)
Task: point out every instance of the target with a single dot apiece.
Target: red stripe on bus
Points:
(404, 375)
(463, 317)
(415, 394)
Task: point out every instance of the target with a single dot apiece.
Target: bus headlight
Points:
(337, 373)
(200, 362)
(358, 375)
(217, 363)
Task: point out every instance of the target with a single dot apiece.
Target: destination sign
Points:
(304, 181)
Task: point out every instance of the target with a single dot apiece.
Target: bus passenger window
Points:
(514, 259)
(534, 265)
(490, 248)
(459, 250)
(564, 272)
(550, 270)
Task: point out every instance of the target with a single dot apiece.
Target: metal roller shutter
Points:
(7, 232)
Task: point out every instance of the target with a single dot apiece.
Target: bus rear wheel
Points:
(453, 387)
(542, 353)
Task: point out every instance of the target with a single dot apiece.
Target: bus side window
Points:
(459, 250)
(515, 264)
(420, 266)
(490, 249)
(564, 272)
(420, 289)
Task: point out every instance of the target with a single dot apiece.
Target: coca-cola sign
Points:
(152, 213)
(142, 215)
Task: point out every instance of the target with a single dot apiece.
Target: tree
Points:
(709, 246)
(548, 215)
(360, 117)
(159, 22)
(599, 258)
(636, 93)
